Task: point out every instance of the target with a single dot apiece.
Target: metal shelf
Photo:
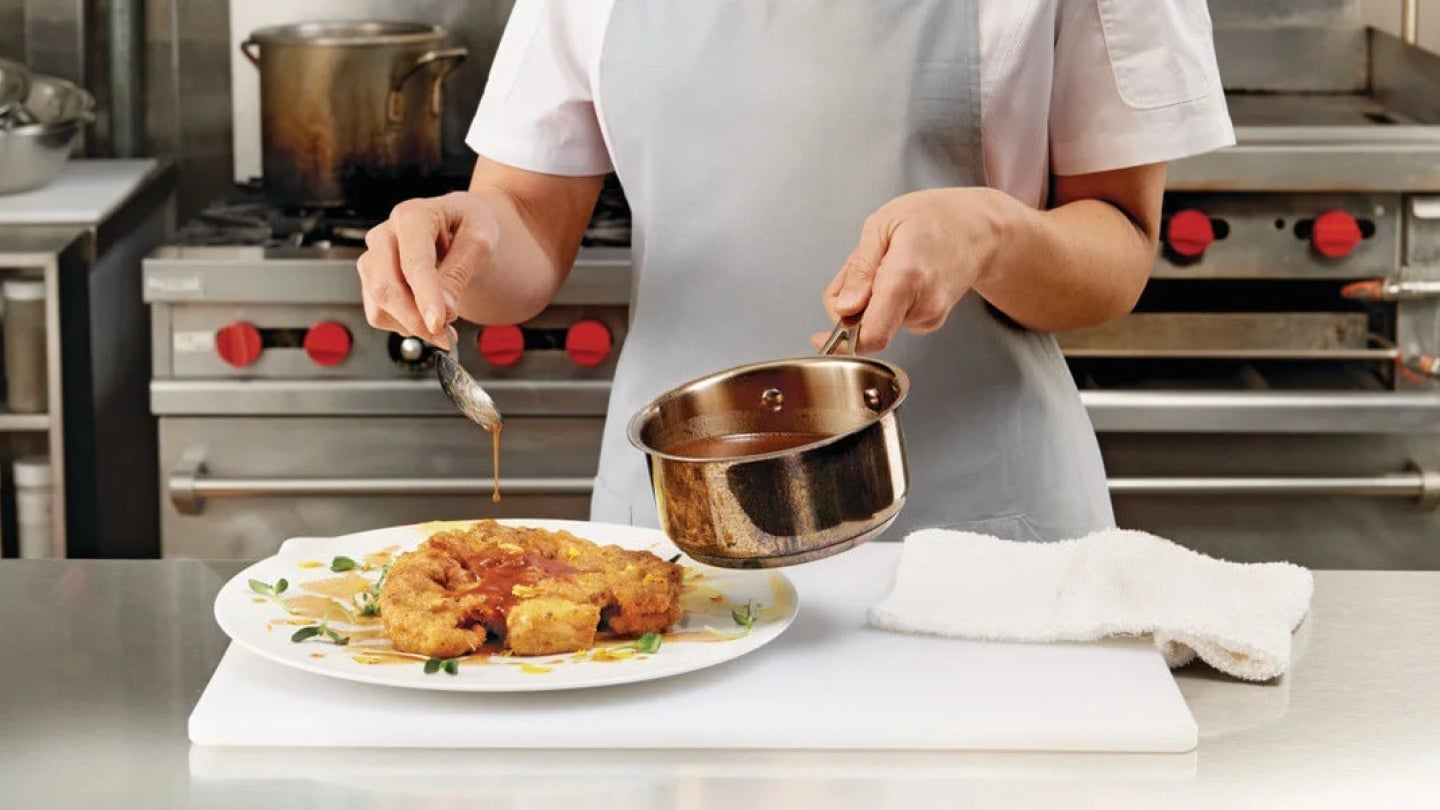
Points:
(21, 422)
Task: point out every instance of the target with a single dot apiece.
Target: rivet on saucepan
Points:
(872, 399)
(772, 399)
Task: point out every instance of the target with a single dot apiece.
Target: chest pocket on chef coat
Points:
(1161, 51)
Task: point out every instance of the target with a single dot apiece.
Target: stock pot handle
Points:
(245, 49)
(447, 58)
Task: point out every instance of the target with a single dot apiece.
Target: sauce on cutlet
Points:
(500, 572)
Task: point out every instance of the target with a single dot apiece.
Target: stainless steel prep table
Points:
(103, 660)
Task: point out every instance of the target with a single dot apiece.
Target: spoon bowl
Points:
(465, 392)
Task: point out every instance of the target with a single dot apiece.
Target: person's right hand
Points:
(419, 262)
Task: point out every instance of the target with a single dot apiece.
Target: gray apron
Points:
(753, 137)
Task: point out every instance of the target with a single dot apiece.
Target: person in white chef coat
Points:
(968, 176)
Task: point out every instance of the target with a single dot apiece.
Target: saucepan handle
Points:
(847, 331)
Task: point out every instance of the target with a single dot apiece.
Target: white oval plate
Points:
(257, 624)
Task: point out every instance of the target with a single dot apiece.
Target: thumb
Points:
(468, 254)
(849, 293)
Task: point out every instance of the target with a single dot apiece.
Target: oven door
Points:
(1332, 500)
(236, 487)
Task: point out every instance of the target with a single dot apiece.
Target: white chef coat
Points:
(1068, 87)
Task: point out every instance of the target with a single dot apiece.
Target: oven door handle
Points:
(1416, 483)
(189, 487)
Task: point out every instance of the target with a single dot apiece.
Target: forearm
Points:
(533, 234)
(523, 274)
(1075, 266)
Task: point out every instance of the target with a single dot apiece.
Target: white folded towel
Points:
(1236, 617)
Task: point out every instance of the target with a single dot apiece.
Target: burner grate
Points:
(246, 218)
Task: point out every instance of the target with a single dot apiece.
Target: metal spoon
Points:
(465, 392)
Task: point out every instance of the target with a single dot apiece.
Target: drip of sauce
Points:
(495, 463)
(739, 445)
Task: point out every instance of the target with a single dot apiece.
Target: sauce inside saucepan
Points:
(741, 444)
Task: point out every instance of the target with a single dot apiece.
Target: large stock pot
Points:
(350, 111)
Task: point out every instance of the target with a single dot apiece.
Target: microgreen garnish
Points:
(675, 559)
(745, 618)
(340, 564)
(321, 628)
(648, 643)
(370, 598)
(271, 592)
(311, 631)
(450, 665)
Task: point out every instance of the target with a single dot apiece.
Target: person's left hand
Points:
(918, 256)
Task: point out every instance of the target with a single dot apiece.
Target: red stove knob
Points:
(588, 343)
(328, 343)
(1335, 234)
(238, 344)
(501, 345)
(1189, 233)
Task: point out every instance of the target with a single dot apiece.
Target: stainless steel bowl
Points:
(14, 82)
(53, 101)
(787, 506)
(31, 156)
(37, 137)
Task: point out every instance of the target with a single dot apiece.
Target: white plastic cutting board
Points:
(830, 682)
(85, 192)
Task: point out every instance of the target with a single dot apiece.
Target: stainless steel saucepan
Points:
(778, 463)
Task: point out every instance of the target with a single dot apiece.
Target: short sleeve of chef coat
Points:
(1135, 82)
(538, 110)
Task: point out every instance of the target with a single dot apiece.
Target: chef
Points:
(968, 176)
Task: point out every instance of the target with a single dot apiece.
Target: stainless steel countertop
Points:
(101, 662)
(32, 245)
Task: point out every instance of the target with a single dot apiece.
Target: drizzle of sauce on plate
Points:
(344, 587)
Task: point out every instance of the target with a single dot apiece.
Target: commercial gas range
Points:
(282, 413)
(1275, 393)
